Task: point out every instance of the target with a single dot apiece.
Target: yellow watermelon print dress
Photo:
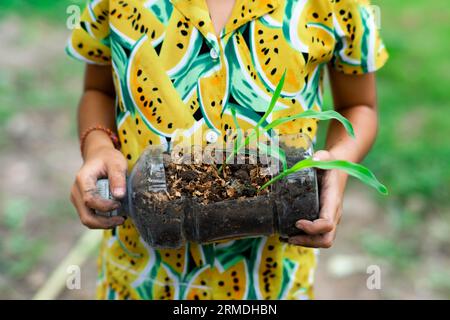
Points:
(171, 71)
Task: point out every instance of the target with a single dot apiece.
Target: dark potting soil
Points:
(203, 204)
(206, 184)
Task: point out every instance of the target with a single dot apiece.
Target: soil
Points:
(199, 197)
(203, 204)
(295, 201)
(205, 183)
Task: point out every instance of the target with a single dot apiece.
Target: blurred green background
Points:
(407, 233)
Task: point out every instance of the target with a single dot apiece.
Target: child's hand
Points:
(104, 161)
(321, 233)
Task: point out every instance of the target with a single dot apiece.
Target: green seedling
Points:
(353, 169)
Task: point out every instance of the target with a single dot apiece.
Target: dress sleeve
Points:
(90, 41)
(359, 48)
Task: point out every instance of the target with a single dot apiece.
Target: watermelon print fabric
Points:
(171, 71)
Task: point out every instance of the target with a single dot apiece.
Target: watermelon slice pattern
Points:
(170, 71)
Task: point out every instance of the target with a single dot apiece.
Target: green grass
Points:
(41, 88)
(19, 251)
(53, 10)
(410, 153)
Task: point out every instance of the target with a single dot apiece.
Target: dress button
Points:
(213, 53)
(211, 136)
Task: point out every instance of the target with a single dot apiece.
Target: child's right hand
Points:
(100, 162)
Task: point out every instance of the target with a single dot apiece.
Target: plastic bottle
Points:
(169, 224)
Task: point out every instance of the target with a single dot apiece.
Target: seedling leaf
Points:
(354, 169)
(320, 115)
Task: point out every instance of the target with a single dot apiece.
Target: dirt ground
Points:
(38, 160)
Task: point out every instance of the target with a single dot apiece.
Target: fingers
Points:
(117, 169)
(322, 155)
(318, 241)
(315, 227)
(321, 232)
(88, 217)
(329, 211)
(86, 182)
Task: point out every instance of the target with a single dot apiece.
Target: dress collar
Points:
(243, 12)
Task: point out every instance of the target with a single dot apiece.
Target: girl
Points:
(156, 66)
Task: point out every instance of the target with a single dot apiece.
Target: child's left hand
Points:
(321, 233)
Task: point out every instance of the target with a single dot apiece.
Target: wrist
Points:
(94, 141)
(342, 180)
(338, 152)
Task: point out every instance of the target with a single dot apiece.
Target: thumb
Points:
(322, 155)
(117, 177)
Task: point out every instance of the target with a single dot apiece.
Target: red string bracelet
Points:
(109, 132)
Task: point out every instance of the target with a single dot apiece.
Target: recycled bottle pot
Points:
(170, 224)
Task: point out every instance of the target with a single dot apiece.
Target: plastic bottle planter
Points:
(168, 223)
